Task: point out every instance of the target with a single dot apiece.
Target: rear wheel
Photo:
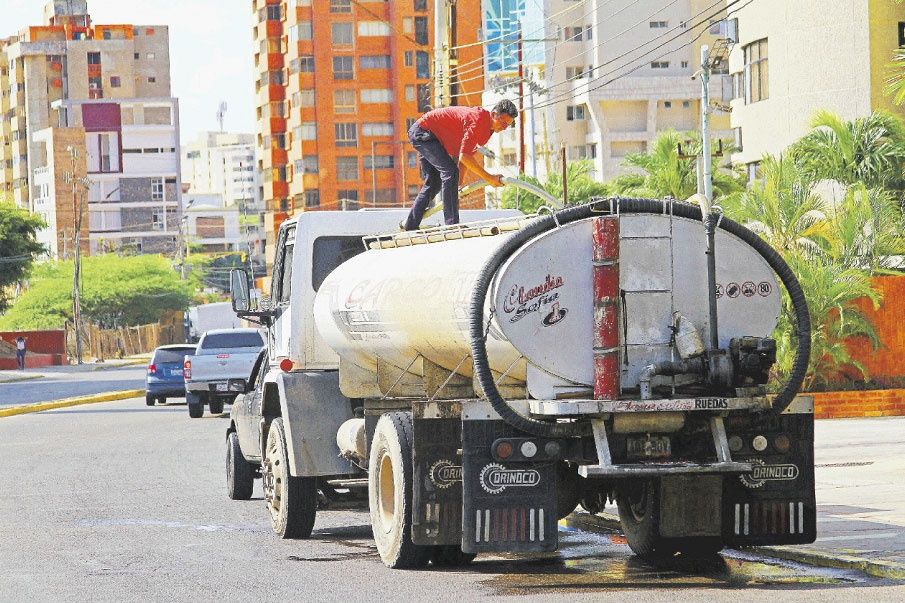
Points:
(390, 487)
(149, 399)
(216, 406)
(639, 514)
(161, 400)
(240, 475)
(196, 406)
(292, 501)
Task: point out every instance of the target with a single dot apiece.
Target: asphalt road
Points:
(122, 502)
(69, 381)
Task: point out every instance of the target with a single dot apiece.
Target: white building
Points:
(223, 163)
(214, 226)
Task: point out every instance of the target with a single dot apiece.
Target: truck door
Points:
(281, 330)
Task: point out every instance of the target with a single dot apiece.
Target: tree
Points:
(868, 149)
(865, 230)
(781, 207)
(665, 173)
(831, 290)
(581, 188)
(18, 246)
(116, 291)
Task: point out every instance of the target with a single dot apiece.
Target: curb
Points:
(42, 406)
(872, 567)
(134, 362)
(20, 379)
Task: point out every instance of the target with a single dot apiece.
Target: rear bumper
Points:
(166, 389)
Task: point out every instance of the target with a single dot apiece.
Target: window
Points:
(343, 100)
(303, 98)
(312, 198)
(376, 95)
(284, 281)
(422, 65)
(659, 65)
(737, 138)
(420, 4)
(409, 93)
(373, 28)
(136, 56)
(408, 25)
(150, 56)
(347, 168)
(738, 85)
(348, 199)
(901, 33)
(380, 162)
(409, 58)
(94, 58)
(330, 252)
(341, 34)
(303, 64)
(306, 131)
(107, 34)
(753, 170)
(421, 30)
(686, 104)
(684, 64)
(152, 80)
(342, 68)
(157, 222)
(340, 6)
(375, 61)
(576, 113)
(409, 122)
(577, 34)
(658, 24)
(301, 31)
(577, 73)
(757, 86)
(424, 98)
(115, 82)
(411, 159)
(377, 129)
(156, 189)
(384, 196)
(346, 135)
(667, 104)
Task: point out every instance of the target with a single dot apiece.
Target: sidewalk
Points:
(38, 373)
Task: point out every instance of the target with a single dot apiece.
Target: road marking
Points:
(861, 536)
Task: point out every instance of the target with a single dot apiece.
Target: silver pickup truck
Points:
(218, 371)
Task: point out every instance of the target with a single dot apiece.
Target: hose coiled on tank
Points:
(625, 206)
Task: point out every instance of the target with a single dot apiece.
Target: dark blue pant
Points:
(20, 359)
(440, 173)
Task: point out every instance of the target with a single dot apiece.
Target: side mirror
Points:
(239, 386)
(238, 290)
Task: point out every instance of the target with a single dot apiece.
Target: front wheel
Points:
(292, 501)
(390, 487)
(240, 476)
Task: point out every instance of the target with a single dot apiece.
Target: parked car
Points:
(243, 441)
(165, 378)
(219, 369)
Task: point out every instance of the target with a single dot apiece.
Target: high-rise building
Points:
(98, 95)
(615, 74)
(339, 84)
(793, 59)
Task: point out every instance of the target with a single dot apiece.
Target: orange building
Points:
(339, 84)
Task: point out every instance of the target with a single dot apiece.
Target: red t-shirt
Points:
(459, 129)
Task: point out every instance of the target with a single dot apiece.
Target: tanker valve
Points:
(752, 358)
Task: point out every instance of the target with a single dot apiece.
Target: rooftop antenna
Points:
(221, 112)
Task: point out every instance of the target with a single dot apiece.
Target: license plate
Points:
(648, 447)
(221, 387)
(176, 372)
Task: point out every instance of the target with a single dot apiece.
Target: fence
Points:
(126, 341)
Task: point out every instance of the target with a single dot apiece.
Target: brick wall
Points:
(887, 362)
(871, 403)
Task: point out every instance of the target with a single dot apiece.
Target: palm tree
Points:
(867, 149)
(581, 188)
(865, 230)
(665, 173)
(781, 207)
(831, 290)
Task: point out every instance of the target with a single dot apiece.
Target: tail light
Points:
(187, 368)
(152, 369)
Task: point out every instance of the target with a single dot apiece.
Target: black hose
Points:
(625, 206)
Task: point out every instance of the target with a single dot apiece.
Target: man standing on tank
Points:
(446, 140)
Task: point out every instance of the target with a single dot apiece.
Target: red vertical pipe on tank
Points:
(606, 309)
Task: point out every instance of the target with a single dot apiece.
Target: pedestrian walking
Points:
(20, 352)
(446, 140)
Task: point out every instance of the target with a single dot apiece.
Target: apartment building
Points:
(619, 72)
(793, 59)
(222, 202)
(339, 84)
(99, 94)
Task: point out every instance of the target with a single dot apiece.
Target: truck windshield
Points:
(232, 340)
(330, 252)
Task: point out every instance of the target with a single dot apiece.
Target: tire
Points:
(639, 514)
(162, 400)
(196, 406)
(450, 555)
(216, 406)
(240, 475)
(390, 486)
(149, 399)
(292, 501)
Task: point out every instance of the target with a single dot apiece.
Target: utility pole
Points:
(707, 215)
(442, 76)
(705, 125)
(533, 129)
(77, 252)
(521, 103)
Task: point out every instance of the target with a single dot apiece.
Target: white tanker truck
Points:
(487, 378)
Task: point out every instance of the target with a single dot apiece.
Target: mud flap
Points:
(775, 503)
(507, 506)
(437, 472)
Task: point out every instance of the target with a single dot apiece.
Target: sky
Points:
(211, 52)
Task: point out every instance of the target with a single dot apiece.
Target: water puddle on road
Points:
(590, 561)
